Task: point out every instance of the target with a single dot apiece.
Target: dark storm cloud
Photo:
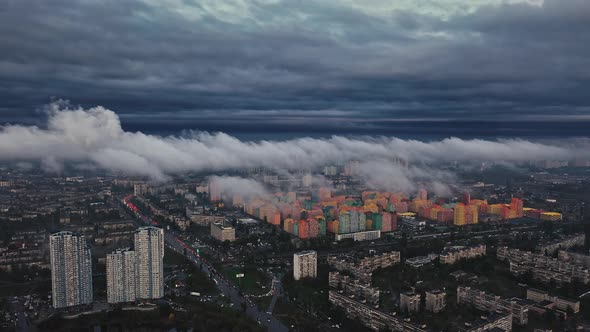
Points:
(346, 64)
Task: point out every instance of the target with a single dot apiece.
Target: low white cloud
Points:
(232, 185)
(95, 137)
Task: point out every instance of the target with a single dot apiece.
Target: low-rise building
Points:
(362, 267)
(420, 261)
(360, 236)
(451, 255)
(574, 258)
(203, 219)
(222, 233)
(543, 268)
(561, 303)
(305, 264)
(350, 286)
(15, 257)
(493, 303)
(551, 247)
(435, 300)
(494, 322)
(370, 316)
(409, 302)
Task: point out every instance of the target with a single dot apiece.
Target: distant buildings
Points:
(140, 189)
(422, 194)
(359, 236)
(121, 276)
(202, 219)
(471, 211)
(435, 301)
(451, 255)
(371, 317)
(492, 303)
(362, 267)
(574, 258)
(214, 191)
(71, 270)
(305, 265)
(560, 303)
(350, 288)
(551, 216)
(493, 322)
(138, 274)
(25, 249)
(465, 214)
(419, 261)
(543, 268)
(354, 288)
(222, 233)
(149, 250)
(409, 302)
(551, 247)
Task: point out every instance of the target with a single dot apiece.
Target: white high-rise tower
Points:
(71, 270)
(121, 274)
(149, 257)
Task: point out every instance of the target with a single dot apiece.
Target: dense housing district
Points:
(101, 251)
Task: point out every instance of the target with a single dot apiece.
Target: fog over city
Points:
(94, 138)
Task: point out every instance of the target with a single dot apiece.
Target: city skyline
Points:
(295, 165)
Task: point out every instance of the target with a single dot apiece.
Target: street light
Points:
(239, 276)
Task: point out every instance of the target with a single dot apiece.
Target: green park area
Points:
(253, 281)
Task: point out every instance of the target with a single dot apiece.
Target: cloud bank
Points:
(233, 185)
(94, 138)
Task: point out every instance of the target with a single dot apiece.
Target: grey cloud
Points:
(233, 185)
(146, 57)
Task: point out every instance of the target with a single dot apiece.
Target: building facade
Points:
(559, 302)
(71, 270)
(451, 255)
(222, 233)
(149, 252)
(121, 275)
(305, 265)
(370, 316)
(543, 268)
(435, 301)
(493, 303)
(409, 302)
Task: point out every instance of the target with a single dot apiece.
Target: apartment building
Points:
(121, 276)
(560, 303)
(493, 303)
(451, 255)
(435, 300)
(350, 286)
(222, 233)
(305, 264)
(71, 270)
(551, 247)
(371, 317)
(543, 267)
(149, 251)
(409, 302)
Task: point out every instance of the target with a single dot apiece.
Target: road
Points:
(226, 287)
(23, 322)
(277, 288)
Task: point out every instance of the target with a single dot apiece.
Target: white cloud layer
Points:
(94, 138)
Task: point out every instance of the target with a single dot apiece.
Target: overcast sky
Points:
(298, 63)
